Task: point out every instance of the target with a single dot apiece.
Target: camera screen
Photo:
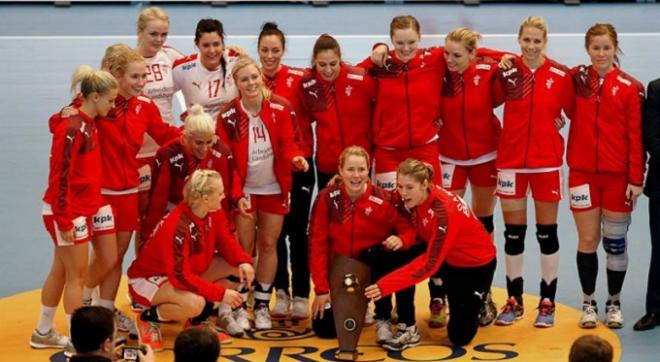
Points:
(130, 354)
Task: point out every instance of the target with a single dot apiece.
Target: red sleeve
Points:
(426, 264)
(287, 139)
(487, 54)
(568, 100)
(161, 179)
(636, 156)
(160, 131)
(402, 225)
(226, 243)
(66, 141)
(319, 248)
(177, 264)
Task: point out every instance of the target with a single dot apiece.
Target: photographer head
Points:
(196, 345)
(93, 336)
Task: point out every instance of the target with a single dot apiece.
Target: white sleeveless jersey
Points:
(212, 89)
(160, 88)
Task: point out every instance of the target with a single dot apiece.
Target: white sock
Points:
(107, 304)
(87, 295)
(46, 318)
(514, 265)
(223, 308)
(549, 266)
(68, 322)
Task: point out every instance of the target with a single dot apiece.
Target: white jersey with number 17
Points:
(210, 88)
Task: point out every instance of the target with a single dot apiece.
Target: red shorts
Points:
(388, 161)
(589, 191)
(142, 290)
(85, 227)
(125, 208)
(545, 186)
(273, 204)
(144, 169)
(454, 177)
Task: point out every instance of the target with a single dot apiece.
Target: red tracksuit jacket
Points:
(182, 248)
(232, 128)
(605, 134)
(340, 226)
(74, 178)
(470, 128)
(286, 83)
(533, 101)
(407, 99)
(453, 234)
(121, 136)
(342, 111)
(173, 164)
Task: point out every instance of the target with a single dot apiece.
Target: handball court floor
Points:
(40, 45)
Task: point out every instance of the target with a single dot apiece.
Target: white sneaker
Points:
(589, 317)
(262, 318)
(383, 331)
(404, 338)
(300, 309)
(282, 305)
(614, 316)
(52, 339)
(124, 323)
(226, 322)
(241, 318)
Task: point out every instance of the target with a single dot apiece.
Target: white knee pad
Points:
(615, 243)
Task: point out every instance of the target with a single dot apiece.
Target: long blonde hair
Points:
(92, 81)
(535, 22)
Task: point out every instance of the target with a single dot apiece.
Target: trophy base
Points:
(347, 355)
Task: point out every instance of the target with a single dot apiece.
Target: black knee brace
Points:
(547, 238)
(514, 239)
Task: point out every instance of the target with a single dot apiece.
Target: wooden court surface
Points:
(520, 342)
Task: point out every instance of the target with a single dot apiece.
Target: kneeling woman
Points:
(349, 219)
(178, 272)
(458, 247)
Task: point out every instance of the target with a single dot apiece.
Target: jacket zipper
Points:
(405, 77)
(339, 126)
(597, 133)
(465, 136)
(529, 122)
(352, 227)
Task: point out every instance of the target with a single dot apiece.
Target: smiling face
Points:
(355, 174)
(152, 38)
(271, 51)
(133, 79)
(406, 42)
(413, 192)
(532, 45)
(249, 82)
(457, 56)
(327, 63)
(602, 52)
(199, 144)
(210, 47)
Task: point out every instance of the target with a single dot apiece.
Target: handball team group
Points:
(219, 199)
